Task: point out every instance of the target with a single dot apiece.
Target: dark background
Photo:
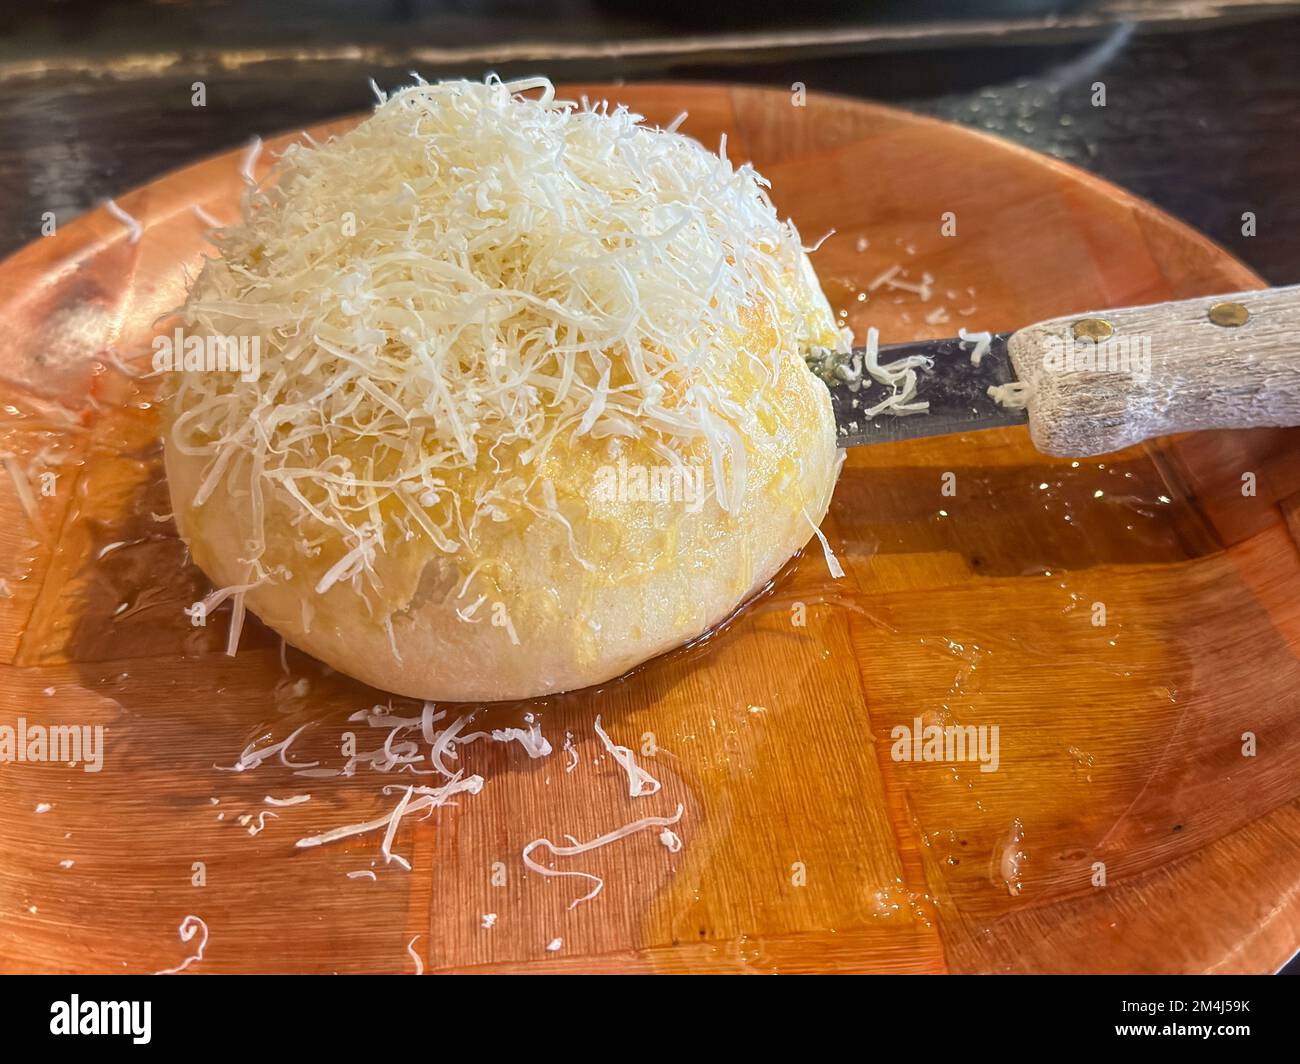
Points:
(1202, 115)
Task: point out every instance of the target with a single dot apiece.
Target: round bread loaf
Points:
(528, 405)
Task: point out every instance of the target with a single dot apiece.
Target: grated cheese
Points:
(518, 272)
(832, 562)
(1014, 395)
(419, 962)
(394, 820)
(429, 798)
(260, 826)
(899, 375)
(297, 799)
(639, 782)
(252, 756)
(444, 745)
(535, 744)
(190, 927)
(576, 847)
(132, 223)
(982, 341)
(249, 163)
(205, 217)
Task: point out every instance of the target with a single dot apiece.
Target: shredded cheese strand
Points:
(297, 799)
(639, 782)
(136, 230)
(982, 341)
(190, 926)
(405, 806)
(583, 847)
(252, 756)
(1015, 395)
(419, 962)
(832, 562)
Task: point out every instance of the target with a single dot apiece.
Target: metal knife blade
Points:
(956, 389)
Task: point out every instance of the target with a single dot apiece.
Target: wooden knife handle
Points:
(1106, 379)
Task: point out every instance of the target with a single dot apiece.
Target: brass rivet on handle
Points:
(1094, 329)
(1229, 315)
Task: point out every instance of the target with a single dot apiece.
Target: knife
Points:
(1099, 381)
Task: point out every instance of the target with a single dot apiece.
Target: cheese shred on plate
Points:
(464, 281)
(577, 847)
(639, 782)
(190, 927)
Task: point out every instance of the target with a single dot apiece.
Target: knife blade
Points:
(956, 389)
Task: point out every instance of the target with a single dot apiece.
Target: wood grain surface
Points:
(1123, 830)
(1160, 370)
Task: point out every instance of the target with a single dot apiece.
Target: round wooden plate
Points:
(1130, 625)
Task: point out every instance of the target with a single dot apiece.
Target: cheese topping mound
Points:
(468, 279)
